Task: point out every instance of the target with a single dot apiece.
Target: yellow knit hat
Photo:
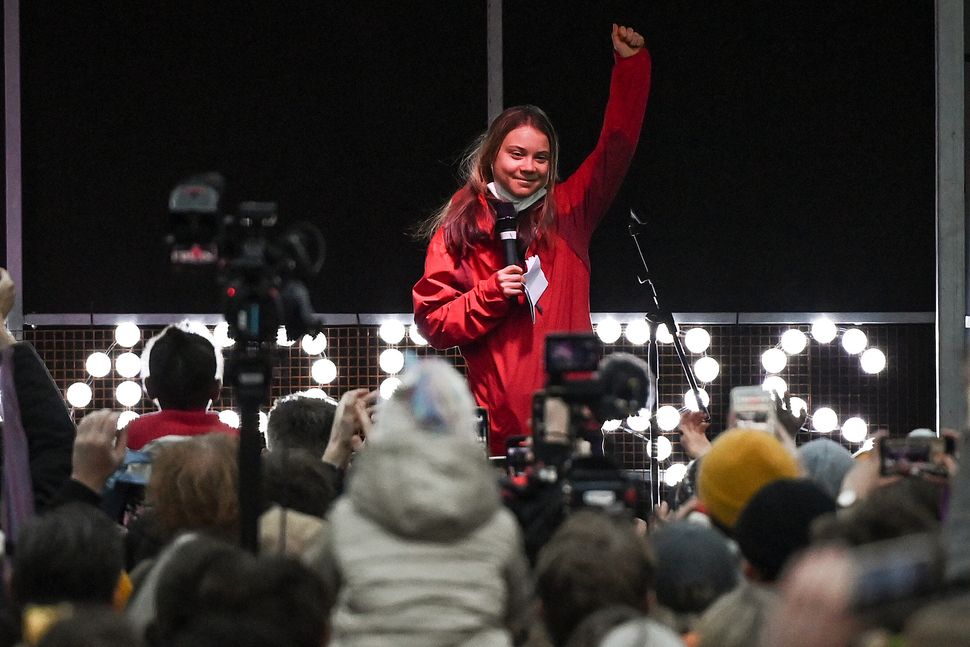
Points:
(739, 463)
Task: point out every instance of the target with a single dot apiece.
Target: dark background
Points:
(786, 163)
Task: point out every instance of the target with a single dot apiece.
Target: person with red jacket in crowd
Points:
(182, 372)
(498, 313)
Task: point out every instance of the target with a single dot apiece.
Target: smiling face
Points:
(522, 164)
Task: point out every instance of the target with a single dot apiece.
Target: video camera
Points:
(583, 390)
(565, 469)
(263, 283)
(262, 277)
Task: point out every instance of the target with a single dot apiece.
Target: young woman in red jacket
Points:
(470, 297)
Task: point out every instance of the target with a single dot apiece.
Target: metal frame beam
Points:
(951, 280)
(377, 318)
(493, 54)
(12, 155)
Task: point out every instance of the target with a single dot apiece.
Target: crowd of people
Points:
(384, 523)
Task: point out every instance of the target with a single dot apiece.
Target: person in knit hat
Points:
(426, 553)
(777, 523)
(695, 566)
(826, 462)
(739, 463)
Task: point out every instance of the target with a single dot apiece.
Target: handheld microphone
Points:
(506, 226)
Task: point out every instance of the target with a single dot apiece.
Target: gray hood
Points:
(432, 487)
(424, 474)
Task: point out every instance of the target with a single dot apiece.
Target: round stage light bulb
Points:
(282, 339)
(314, 345)
(854, 341)
(128, 393)
(128, 365)
(775, 384)
(824, 420)
(855, 430)
(697, 340)
(98, 364)
(229, 417)
(663, 334)
(125, 418)
(416, 338)
(392, 332)
(608, 330)
(873, 360)
(774, 360)
(639, 422)
(662, 448)
(127, 334)
(637, 332)
(674, 474)
(315, 393)
(263, 422)
(797, 405)
(79, 395)
(706, 369)
(793, 341)
(323, 371)
(392, 361)
(690, 402)
(668, 417)
(389, 386)
(824, 330)
(612, 425)
(220, 335)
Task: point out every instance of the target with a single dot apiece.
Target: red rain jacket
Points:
(459, 303)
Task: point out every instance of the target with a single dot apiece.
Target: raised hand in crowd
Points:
(99, 449)
(693, 436)
(791, 422)
(865, 477)
(348, 432)
(663, 514)
(364, 415)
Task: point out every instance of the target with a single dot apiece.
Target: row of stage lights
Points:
(793, 341)
(391, 360)
(706, 369)
(697, 340)
(323, 371)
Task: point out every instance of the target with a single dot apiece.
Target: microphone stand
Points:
(656, 315)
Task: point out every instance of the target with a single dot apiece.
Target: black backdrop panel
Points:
(787, 158)
(786, 163)
(348, 114)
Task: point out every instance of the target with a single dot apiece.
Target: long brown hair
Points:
(457, 217)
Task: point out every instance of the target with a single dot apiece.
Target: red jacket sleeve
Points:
(584, 198)
(450, 307)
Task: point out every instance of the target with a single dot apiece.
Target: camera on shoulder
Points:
(563, 466)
